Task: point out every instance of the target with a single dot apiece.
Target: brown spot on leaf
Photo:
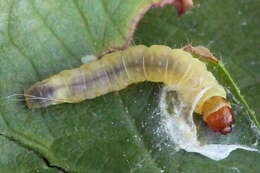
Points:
(181, 5)
(201, 51)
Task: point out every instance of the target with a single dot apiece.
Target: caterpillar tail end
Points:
(39, 96)
(218, 115)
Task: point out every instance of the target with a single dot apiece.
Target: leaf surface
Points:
(115, 132)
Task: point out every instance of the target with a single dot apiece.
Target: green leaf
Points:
(16, 158)
(115, 132)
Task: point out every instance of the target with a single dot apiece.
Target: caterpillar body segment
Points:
(117, 70)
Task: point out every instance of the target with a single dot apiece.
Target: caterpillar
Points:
(117, 70)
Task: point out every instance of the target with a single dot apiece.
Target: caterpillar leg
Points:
(218, 114)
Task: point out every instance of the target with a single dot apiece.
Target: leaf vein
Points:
(112, 20)
(86, 24)
(51, 30)
(10, 37)
(130, 120)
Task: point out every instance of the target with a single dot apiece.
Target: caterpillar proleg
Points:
(136, 64)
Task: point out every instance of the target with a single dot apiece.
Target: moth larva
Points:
(117, 70)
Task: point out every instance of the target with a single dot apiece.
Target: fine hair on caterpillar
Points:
(117, 70)
(29, 97)
(23, 97)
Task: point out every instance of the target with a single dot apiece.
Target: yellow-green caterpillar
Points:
(117, 70)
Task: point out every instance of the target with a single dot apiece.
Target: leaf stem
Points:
(237, 92)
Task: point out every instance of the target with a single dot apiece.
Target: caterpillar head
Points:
(218, 114)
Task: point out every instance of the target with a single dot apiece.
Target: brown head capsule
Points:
(218, 114)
